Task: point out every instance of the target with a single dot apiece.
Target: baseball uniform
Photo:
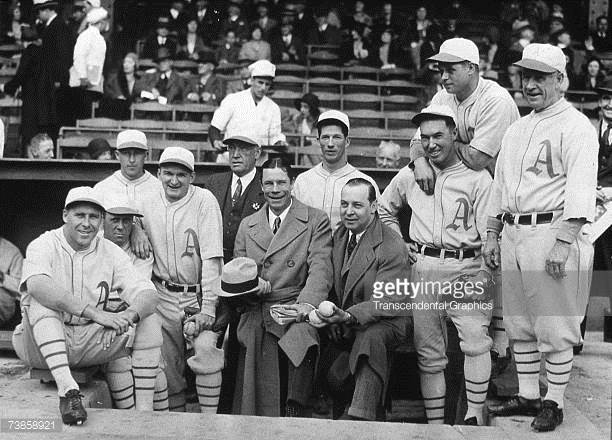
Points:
(186, 237)
(136, 190)
(10, 271)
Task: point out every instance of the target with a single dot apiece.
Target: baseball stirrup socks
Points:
(121, 387)
(500, 338)
(160, 398)
(527, 359)
(476, 370)
(558, 369)
(145, 364)
(208, 387)
(49, 336)
(433, 388)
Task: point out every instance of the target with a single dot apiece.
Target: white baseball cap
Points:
(262, 68)
(39, 4)
(83, 194)
(119, 204)
(336, 116)
(178, 155)
(443, 111)
(543, 58)
(132, 139)
(96, 15)
(457, 50)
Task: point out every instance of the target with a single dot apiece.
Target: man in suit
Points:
(291, 244)
(288, 47)
(264, 21)
(160, 40)
(236, 22)
(365, 255)
(239, 195)
(206, 88)
(56, 59)
(323, 32)
(209, 21)
(166, 83)
(601, 39)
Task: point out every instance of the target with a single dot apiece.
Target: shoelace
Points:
(75, 400)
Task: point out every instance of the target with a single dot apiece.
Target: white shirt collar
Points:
(161, 40)
(51, 19)
(174, 13)
(358, 237)
(323, 28)
(283, 215)
(245, 180)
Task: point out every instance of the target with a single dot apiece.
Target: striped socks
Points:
(433, 388)
(49, 336)
(527, 359)
(121, 383)
(500, 338)
(208, 387)
(160, 398)
(145, 364)
(558, 369)
(476, 370)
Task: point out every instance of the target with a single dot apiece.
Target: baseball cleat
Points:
(470, 421)
(549, 417)
(517, 406)
(72, 409)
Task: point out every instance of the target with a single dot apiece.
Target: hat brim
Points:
(124, 210)
(253, 291)
(536, 65)
(174, 161)
(240, 140)
(132, 144)
(417, 119)
(45, 4)
(85, 200)
(332, 120)
(447, 58)
(603, 90)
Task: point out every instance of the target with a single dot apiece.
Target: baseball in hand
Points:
(314, 319)
(189, 328)
(326, 308)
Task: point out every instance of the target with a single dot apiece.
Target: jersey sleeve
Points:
(394, 198)
(13, 273)
(493, 120)
(482, 204)
(211, 251)
(223, 114)
(38, 260)
(276, 134)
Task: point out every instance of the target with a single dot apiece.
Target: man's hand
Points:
(202, 322)
(116, 321)
(491, 252)
(139, 242)
(193, 97)
(107, 337)
(206, 96)
(265, 288)
(555, 262)
(338, 317)
(302, 310)
(424, 175)
(155, 93)
(600, 195)
(413, 252)
(334, 331)
(219, 145)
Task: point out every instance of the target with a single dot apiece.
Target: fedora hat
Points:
(240, 278)
(605, 88)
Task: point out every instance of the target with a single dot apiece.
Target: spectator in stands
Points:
(264, 21)
(555, 24)
(288, 47)
(601, 39)
(178, 16)
(235, 22)
(324, 33)
(449, 30)
(525, 34)
(206, 88)
(563, 40)
(604, 132)
(514, 81)
(458, 10)
(358, 50)
(484, 68)
(77, 18)
(190, 43)
(419, 29)
(228, 52)
(388, 155)
(305, 121)
(99, 149)
(255, 49)
(53, 98)
(333, 18)
(165, 84)
(360, 16)
(121, 89)
(11, 261)
(27, 78)
(41, 147)
(159, 40)
(87, 63)
(209, 21)
(388, 54)
(389, 19)
(592, 77)
(239, 84)
(14, 33)
(432, 78)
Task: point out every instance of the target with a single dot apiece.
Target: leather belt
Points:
(458, 254)
(526, 219)
(181, 288)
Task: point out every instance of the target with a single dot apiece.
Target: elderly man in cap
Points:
(67, 278)
(206, 87)
(239, 194)
(159, 40)
(544, 191)
(165, 85)
(447, 230)
(250, 111)
(185, 227)
(320, 187)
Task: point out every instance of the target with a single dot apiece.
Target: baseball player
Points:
(184, 225)
(447, 230)
(118, 224)
(543, 193)
(484, 112)
(67, 277)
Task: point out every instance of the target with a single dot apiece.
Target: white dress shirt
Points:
(283, 215)
(245, 180)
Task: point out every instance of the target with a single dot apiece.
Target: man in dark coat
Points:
(365, 325)
(161, 39)
(288, 47)
(166, 82)
(209, 21)
(323, 32)
(239, 195)
(56, 59)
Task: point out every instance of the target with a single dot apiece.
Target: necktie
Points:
(352, 244)
(277, 222)
(237, 192)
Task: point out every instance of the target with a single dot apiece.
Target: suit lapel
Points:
(224, 187)
(293, 226)
(260, 230)
(253, 195)
(338, 252)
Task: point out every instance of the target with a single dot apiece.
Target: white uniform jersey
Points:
(454, 217)
(90, 275)
(136, 190)
(548, 162)
(184, 234)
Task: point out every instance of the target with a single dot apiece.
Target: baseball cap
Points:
(443, 111)
(96, 15)
(119, 204)
(262, 68)
(83, 194)
(132, 139)
(543, 58)
(457, 50)
(336, 116)
(178, 155)
(240, 139)
(38, 4)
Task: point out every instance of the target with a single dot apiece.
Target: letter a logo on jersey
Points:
(462, 214)
(191, 243)
(545, 147)
(104, 292)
